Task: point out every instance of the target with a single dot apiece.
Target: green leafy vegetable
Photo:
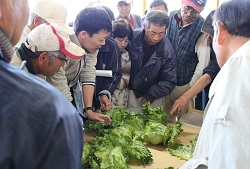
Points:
(157, 115)
(124, 139)
(171, 134)
(154, 133)
(184, 152)
(139, 151)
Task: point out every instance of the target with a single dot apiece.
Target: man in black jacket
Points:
(153, 70)
(108, 58)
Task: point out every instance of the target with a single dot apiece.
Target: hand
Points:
(179, 105)
(143, 101)
(105, 103)
(98, 117)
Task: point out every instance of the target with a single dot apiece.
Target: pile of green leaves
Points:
(126, 137)
(184, 152)
(157, 133)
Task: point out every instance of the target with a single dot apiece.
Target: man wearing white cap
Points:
(191, 47)
(55, 12)
(124, 9)
(46, 49)
(39, 128)
(42, 11)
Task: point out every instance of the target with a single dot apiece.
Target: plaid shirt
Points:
(183, 40)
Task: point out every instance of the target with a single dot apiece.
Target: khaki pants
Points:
(133, 102)
(177, 93)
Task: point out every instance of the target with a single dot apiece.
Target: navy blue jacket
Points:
(108, 58)
(39, 127)
(157, 78)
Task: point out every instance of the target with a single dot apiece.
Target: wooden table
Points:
(161, 157)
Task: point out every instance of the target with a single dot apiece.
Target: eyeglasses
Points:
(186, 9)
(56, 55)
(63, 59)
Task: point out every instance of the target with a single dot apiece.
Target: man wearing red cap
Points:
(191, 47)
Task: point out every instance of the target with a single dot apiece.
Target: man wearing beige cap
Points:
(46, 49)
(191, 47)
(42, 11)
(55, 12)
(39, 128)
(124, 9)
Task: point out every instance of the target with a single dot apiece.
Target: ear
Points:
(83, 34)
(42, 58)
(37, 21)
(222, 33)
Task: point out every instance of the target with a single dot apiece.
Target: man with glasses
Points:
(124, 8)
(153, 68)
(191, 47)
(45, 50)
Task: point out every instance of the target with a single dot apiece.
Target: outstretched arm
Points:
(181, 103)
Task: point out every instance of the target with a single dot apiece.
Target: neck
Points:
(125, 17)
(35, 66)
(6, 46)
(235, 43)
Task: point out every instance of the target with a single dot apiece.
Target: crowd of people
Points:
(50, 86)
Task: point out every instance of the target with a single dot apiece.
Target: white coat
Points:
(224, 139)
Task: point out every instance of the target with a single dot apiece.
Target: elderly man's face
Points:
(188, 14)
(124, 9)
(93, 43)
(154, 34)
(52, 63)
(15, 17)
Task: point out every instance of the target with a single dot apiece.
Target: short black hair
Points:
(235, 17)
(158, 18)
(121, 29)
(92, 20)
(156, 3)
(110, 12)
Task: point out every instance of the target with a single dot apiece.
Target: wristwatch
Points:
(89, 108)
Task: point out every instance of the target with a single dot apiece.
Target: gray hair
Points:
(234, 15)
(32, 16)
(53, 55)
(158, 18)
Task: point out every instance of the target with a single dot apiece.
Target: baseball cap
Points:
(198, 5)
(207, 26)
(48, 38)
(54, 12)
(126, 1)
